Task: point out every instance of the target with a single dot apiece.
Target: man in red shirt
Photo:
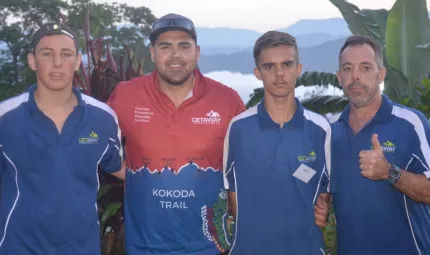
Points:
(174, 121)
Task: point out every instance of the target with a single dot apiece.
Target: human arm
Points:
(413, 182)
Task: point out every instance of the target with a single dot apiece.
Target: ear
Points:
(381, 74)
(151, 51)
(299, 69)
(257, 73)
(338, 77)
(197, 52)
(78, 62)
(31, 61)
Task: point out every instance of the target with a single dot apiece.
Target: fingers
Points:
(375, 143)
(320, 216)
(321, 203)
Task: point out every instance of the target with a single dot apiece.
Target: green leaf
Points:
(318, 78)
(110, 210)
(325, 104)
(104, 188)
(363, 22)
(305, 79)
(395, 84)
(408, 27)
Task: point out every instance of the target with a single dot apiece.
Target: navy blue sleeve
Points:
(112, 158)
(228, 162)
(332, 172)
(420, 158)
(2, 161)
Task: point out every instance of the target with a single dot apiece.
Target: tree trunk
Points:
(15, 68)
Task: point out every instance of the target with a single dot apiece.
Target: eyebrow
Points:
(361, 63)
(169, 43)
(51, 49)
(285, 62)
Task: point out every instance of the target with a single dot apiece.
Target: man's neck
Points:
(177, 93)
(49, 100)
(368, 111)
(360, 116)
(280, 109)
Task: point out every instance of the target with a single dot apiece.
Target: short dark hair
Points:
(273, 39)
(355, 40)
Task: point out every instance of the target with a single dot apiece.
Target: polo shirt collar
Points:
(266, 121)
(35, 108)
(383, 114)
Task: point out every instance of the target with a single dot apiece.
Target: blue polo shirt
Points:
(277, 174)
(374, 218)
(49, 181)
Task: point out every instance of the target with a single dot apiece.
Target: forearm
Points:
(232, 203)
(415, 186)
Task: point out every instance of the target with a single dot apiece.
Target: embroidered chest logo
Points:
(388, 147)
(309, 158)
(142, 114)
(92, 138)
(211, 117)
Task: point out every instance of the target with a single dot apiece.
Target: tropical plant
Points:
(404, 35)
(424, 102)
(104, 77)
(325, 103)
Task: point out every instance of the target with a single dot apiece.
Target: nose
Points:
(56, 61)
(355, 74)
(175, 52)
(279, 71)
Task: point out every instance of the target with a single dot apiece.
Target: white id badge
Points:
(304, 173)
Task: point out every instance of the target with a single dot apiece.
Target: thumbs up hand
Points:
(373, 163)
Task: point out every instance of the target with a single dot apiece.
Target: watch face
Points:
(394, 173)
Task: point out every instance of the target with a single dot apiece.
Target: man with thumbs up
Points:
(380, 167)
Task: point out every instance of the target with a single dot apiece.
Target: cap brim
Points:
(154, 35)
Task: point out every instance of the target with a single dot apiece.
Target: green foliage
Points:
(324, 104)
(28, 15)
(329, 232)
(402, 32)
(317, 103)
(424, 96)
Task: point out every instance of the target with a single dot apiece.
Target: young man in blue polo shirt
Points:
(276, 160)
(380, 162)
(52, 140)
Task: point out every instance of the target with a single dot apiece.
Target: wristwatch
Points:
(394, 174)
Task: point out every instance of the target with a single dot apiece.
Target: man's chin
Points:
(177, 80)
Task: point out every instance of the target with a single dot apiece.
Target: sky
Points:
(251, 14)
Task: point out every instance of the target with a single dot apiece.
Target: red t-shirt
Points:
(174, 163)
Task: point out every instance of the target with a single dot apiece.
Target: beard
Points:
(360, 99)
(175, 79)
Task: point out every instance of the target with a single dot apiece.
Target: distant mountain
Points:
(323, 57)
(209, 51)
(303, 41)
(222, 36)
(333, 26)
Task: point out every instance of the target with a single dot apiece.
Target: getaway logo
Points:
(211, 117)
(388, 147)
(91, 139)
(308, 159)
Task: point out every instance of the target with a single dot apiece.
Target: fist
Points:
(321, 211)
(373, 163)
